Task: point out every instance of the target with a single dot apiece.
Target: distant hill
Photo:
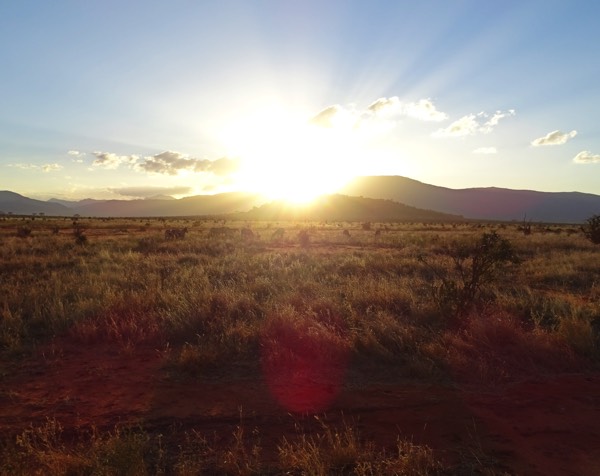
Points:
(481, 203)
(160, 197)
(72, 203)
(218, 204)
(345, 208)
(11, 202)
(392, 198)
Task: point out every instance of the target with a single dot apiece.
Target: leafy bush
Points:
(591, 229)
(474, 266)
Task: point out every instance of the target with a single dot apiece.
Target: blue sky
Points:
(129, 99)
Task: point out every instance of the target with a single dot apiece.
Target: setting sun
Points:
(288, 158)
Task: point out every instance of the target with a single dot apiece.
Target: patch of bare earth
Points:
(539, 426)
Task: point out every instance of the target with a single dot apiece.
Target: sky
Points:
(133, 99)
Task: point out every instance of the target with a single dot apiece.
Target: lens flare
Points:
(304, 363)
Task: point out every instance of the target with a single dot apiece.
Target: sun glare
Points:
(285, 158)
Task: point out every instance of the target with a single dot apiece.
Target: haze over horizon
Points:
(117, 100)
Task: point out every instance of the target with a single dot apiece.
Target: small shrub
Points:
(147, 244)
(23, 232)
(80, 237)
(474, 266)
(591, 229)
(304, 238)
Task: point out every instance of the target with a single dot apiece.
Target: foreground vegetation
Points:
(474, 304)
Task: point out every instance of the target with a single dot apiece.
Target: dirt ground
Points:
(535, 427)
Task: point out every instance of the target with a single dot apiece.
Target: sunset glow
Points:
(286, 157)
(292, 99)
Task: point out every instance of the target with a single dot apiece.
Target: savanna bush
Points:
(591, 229)
(473, 267)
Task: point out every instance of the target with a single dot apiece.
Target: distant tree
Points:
(591, 229)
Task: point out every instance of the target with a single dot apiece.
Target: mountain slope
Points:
(345, 208)
(483, 203)
(11, 202)
(218, 204)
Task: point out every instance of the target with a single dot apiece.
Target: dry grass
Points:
(332, 302)
(46, 449)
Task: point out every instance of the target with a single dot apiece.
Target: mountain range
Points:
(371, 198)
(480, 203)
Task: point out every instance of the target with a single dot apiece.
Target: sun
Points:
(284, 157)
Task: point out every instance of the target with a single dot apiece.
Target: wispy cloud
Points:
(554, 138)
(485, 150)
(146, 192)
(472, 124)
(465, 126)
(586, 157)
(77, 155)
(328, 116)
(171, 163)
(108, 160)
(24, 166)
(385, 106)
(43, 168)
(493, 121)
(51, 167)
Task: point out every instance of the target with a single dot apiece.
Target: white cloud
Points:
(327, 117)
(465, 126)
(493, 121)
(586, 157)
(424, 110)
(473, 124)
(554, 138)
(51, 167)
(385, 106)
(485, 150)
(380, 110)
(171, 163)
(108, 160)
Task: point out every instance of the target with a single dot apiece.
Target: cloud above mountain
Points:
(383, 108)
(171, 163)
(423, 109)
(109, 160)
(586, 157)
(146, 192)
(554, 138)
(166, 163)
(472, 124)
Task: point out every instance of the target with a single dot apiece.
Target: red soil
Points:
(543, 426)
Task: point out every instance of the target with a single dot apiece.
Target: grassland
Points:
(294, 332)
